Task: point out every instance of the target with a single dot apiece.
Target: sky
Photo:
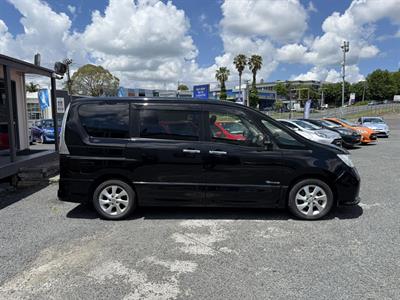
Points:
(158, 44)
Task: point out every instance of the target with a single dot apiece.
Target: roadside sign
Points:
(201, 91)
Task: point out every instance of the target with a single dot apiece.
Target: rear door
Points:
(168, 151)
(239, 171)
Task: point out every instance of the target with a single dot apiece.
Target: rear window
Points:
(105, 120)
(170, 124)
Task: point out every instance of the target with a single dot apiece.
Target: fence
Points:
(340, 112)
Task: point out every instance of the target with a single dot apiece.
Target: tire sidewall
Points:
(292, 197)
(126, 187)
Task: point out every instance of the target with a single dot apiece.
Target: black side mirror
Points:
(266, 143)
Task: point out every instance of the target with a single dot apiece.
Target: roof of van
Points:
(160, 100)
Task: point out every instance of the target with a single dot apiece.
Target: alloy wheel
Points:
(113, 200)
(311, 200)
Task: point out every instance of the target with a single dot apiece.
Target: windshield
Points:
(329, 124)
(373, 120)
(348, 123)
(283, 139)
(306, 125)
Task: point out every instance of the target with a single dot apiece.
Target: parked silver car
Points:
(314, 132)
(377, 124)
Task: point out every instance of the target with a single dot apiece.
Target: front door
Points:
(169, 154)
(239, 170)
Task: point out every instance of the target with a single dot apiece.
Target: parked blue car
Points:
(43, 131)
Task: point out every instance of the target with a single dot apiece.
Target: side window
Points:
(233, 129)
(170, 124)
(105, 120)
(283, 139)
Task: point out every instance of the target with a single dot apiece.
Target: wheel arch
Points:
(325, 177)
(111, 176)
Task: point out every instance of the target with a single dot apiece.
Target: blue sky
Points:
(381, 46)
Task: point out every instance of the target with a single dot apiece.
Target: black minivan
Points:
(121, 153)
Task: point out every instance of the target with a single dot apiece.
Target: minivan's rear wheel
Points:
(310, 199)
(114, 199)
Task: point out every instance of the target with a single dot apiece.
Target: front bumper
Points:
(351, 139)
(348, 187)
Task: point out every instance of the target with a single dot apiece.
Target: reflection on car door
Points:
(239, 171)
(168, 150)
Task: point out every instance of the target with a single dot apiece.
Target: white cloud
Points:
(331, 75)
(72, 9)
(311, 7)
(291, 53)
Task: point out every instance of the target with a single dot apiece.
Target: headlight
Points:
(346, 159)
(343, 131)
(320, 134)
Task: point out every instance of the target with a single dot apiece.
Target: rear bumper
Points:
(77, 191)
(348, 188)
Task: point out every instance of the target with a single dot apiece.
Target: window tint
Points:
(170, 124)
(283, 139)
(106, 120)
(234, 129)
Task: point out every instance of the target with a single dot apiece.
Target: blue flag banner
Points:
(43, 96)
(121, 92)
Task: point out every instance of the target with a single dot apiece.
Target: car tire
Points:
(310, 199)
(114, 199)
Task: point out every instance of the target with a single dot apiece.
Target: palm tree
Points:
(240, 62)
(255, 64)
(32, 87)
(222, 75)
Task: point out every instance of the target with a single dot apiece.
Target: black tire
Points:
(302, 214)
(114, 215)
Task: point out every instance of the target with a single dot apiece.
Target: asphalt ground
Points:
(55, 250)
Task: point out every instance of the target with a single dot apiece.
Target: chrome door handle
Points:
(192, 151)
(217, 152)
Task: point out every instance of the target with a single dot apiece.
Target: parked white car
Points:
(314, 132)
(377, 124)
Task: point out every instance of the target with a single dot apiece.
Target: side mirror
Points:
(267, 143)
(296, 129)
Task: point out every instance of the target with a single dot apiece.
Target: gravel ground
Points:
(55, 250)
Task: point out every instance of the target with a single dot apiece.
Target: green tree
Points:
(278, 105)
(396, 81)
(381, 85)
(332, 93)
(240, 62)
(361, 91)
(222, 75)
(255, 63)
(183, 87)
(282, 90)
(94, 81)
(32, 87)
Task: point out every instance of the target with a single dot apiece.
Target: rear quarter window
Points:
(105, 120)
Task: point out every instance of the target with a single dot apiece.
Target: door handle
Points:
(192, 151)
(217, 152)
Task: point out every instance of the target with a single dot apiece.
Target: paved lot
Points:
(55, 250)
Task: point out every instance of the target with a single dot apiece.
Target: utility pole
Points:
(247, 101)
(345, 48)
(68, 62)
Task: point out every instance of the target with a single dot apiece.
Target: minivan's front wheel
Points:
(310, 199)
(114, 199)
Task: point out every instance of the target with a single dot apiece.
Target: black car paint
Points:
(163, 175)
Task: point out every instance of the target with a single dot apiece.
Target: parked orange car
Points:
(367, 135)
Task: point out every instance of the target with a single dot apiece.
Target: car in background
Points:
(313, 132)
(367, 134)
(349, 136)
(372, 103)
(230, 130)
(377, 124)
(4, 142)
(43, 131)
